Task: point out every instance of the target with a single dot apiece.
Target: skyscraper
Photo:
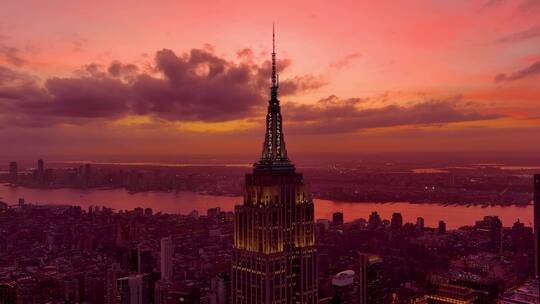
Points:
(274, 255)
(374, 221)
(166, 261)
(13, 172)
(370, 279)
(133, 289)
(337, 219)
(41, 166)
(442, 227)
(492, 226)
(420, 224)
(537, 225)
(397, 221)
(220, 289)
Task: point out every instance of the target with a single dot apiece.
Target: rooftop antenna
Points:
(274, 68)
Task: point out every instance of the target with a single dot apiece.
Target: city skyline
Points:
(429, 76)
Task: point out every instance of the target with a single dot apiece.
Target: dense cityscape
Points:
(62, 254)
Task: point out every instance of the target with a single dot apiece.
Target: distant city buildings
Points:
(63, 254)
(13, 172)
(491, 225)
(220, 287)
(397, 221)
(420, 224)
(166, 259)
(442, 227)
(337, 218)
(375, 221)
(133, 289)
(370, 271)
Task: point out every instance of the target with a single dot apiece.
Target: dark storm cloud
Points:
(202, 86)
(533, 69)
(87, 97)
(199, 86)
(195, 86)
(332, 115)
(118, 69)
(16, 86)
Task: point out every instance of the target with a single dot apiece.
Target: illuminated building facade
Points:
(274, 255)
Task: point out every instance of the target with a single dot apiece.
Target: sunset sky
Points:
(192, 77)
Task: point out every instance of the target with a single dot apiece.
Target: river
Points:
(184, 202)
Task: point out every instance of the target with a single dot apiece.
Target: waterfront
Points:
(185, 202)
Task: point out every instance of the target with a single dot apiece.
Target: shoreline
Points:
(225, 194)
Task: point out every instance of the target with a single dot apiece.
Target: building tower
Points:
(13, 172)
(420, 224)
(133, 289)
(397, 221)
(537, 225)
(274, 254)
(370, 279)
(166, 259)
(337, 219)
(442, 227)
(41, 166)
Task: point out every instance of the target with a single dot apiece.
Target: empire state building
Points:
(274, 256)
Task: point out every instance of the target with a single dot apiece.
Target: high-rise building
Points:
(420, 224)
(491, 225)
(274, 255)
(370, 279)
(537, 225)
(442, 227)
(496, 235)
(337, 218)
(39, 173)
(133, 289)
(41, 166)
(111, 281)
(220, 289)
(13, 172)
(166, 259)
(8, 293)
(374, 221)
(397, 221)
(213, 213)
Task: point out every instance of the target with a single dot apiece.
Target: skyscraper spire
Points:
(274, 154)
(275, 76)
